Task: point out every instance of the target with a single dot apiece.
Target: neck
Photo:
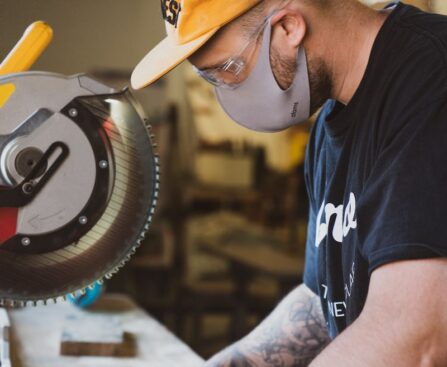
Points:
(345, 46)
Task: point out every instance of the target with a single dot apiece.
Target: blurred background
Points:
(229, 236)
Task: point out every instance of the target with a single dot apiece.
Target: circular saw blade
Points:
(120, 224)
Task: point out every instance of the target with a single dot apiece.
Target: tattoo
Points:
(292, 336)
(302, 336)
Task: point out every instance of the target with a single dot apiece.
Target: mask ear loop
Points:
(263, 26)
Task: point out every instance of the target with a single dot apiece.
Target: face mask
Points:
(259, 104)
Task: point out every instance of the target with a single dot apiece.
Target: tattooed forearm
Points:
(292, 336)
(299, 336)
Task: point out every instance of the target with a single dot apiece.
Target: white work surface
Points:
(36, 334)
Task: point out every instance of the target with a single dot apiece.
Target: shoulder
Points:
(430, 29)
(418, 43)
(410, 65)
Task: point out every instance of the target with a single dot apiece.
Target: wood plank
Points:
(95, 335)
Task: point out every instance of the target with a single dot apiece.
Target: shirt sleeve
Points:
(402, 212)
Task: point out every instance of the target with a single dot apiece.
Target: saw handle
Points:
(27, 51)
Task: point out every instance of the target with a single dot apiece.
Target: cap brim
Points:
(163, 58)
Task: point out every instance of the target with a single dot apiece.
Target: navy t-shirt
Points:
(376, 169)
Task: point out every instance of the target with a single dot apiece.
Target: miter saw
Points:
(78, 178)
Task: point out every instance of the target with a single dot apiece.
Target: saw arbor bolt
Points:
(27, 159)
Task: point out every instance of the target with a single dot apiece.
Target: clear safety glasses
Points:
(231, 73)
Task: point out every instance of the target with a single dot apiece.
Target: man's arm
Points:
(403, 324)
(293, 335)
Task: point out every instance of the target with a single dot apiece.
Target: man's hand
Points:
(403, 324)
(292, 335)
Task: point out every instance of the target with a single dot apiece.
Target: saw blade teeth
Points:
(91, 286)
(100, 281)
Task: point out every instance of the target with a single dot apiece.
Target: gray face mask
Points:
(259, 104)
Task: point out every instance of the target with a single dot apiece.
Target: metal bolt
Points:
(103, 164)
(26, 241)
(73, 112)
(83, 220)
(27, 188)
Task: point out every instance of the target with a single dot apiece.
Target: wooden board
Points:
(93, 334)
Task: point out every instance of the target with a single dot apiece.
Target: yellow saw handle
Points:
(33, 43)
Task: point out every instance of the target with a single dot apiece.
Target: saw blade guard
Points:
(94, 209)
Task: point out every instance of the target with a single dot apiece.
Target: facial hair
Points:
(284, 69)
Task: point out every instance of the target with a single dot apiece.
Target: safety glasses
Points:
(230, 73)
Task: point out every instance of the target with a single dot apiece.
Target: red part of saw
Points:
(8, 219)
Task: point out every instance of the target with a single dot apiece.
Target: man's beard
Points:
(284, 69)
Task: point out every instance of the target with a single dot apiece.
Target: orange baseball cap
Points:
(189, 24)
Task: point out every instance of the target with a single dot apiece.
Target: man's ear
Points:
(290, 26)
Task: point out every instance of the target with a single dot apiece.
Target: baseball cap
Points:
(189, 25)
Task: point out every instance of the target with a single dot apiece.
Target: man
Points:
(375, 292)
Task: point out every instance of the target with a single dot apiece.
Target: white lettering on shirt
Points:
(336, 309)
(344, 220)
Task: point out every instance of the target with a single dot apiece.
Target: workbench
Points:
(36, 335)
